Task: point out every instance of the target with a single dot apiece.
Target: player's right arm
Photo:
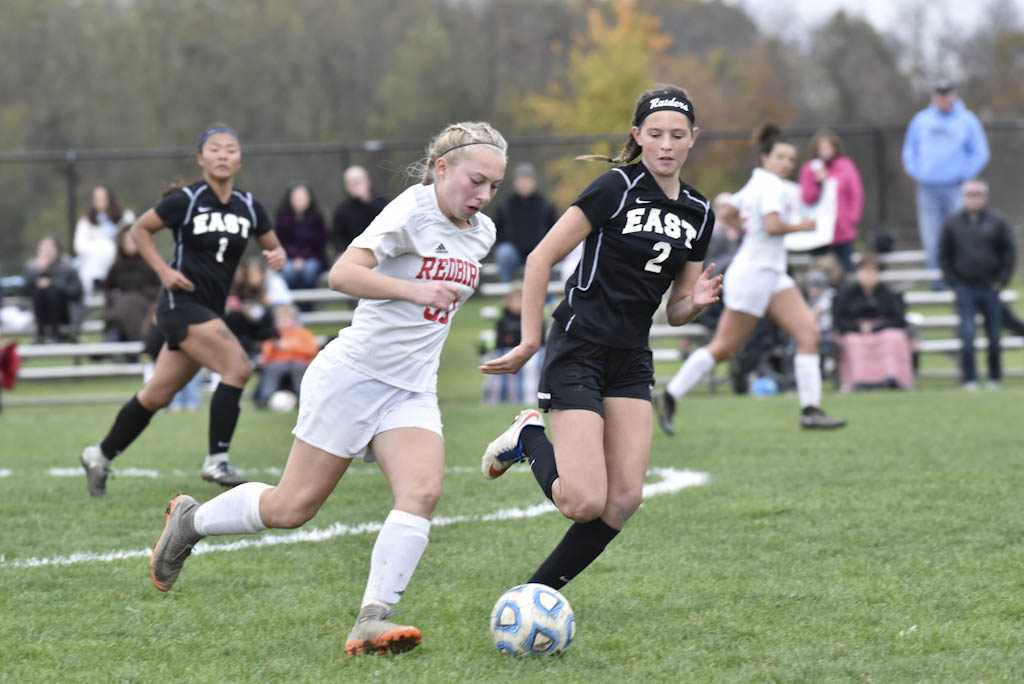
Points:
(142, 231)
(353, 274)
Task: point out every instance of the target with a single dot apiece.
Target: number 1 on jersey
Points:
(222, 247)
(654, 265)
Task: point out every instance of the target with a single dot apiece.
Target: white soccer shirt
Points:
(396, 341)
(763, 194)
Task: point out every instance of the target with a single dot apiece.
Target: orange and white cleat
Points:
(175, 542)
(373, 634)
(508, 448)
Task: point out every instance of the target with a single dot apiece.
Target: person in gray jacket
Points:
(976, 253)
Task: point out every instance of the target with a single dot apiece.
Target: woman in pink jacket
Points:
(827, 161)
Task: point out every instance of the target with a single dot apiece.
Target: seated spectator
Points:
(820, 296)
(521, 387)
(302, 232)
(249, 314)
(56, 292)
(725, 242)
(286, 356)
(522, 219)
(131, 288)
(874, 348)
(95, 235)
(356, 212)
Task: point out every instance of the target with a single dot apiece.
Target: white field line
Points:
(5, 472)
(177, 472)
(671, 481)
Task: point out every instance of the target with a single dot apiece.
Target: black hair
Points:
(767, 136)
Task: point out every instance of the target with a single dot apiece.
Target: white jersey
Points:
(763, 194)
(394, 340)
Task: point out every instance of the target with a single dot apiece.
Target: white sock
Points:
(396, 553)
(808, 379)
(236, 511)
(698, 364)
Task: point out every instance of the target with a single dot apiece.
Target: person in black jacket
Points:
(55, 288)
(521, 220)
(976, 252)
(357, 210)
(870, 322)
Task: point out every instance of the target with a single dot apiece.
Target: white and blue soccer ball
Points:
(532, 619)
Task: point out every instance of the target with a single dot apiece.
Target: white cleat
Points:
(508, 449)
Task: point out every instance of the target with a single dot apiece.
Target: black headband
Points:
(659, 102)
(475, 142)
(216, 129)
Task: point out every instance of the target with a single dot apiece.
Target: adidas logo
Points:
(440, 249)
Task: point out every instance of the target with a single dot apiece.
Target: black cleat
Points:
(665, 405)
(813, 418)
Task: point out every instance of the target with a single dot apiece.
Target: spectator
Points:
(874, 348)
(131, 288)
(522, 219)
(285, 356)
(944, 146)
(357, 210)
(303, 234)
(827, 161)
(976, 251)
(725, 242)
(94, 236)
(56, 292)
(249, 308)
(519, 387)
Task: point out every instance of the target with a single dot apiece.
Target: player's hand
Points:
(510, 362)
(175, 280)
(434, 294)
(276, 257)
(707, 290)
(808, 224)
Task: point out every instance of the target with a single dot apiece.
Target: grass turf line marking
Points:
(178, 473)
(672, 481)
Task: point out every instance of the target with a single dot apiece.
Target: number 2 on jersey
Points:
(654, 265)
(221, 248)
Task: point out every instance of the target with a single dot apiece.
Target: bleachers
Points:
(333, 308)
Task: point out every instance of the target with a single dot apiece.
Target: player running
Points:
(212, 222)
(644, 231)
(757, 284)
(371, 393)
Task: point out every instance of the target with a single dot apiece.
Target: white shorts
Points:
(750, 290)
(341, 409)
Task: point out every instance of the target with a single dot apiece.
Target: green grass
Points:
(888, 552)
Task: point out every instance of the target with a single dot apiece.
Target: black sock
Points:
(223, 417)
(579, 547)
(541, 454)
(131, 420)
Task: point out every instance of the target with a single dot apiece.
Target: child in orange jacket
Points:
(285, 356)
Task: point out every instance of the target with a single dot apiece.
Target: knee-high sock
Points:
(131, 420)
(697, 365)
(579, 547)
(396, 553)
(808, 379)
(540, 452)
(223, 417)
(236, 511)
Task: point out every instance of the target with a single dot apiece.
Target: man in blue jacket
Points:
(944, 146)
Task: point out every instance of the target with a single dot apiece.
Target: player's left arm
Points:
(693, 289)
(273, 252)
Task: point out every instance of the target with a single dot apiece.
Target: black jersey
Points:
(209, 239)
(640, 242)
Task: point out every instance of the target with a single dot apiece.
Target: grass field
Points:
(888, 552)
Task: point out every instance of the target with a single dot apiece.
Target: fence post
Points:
(880, 184)
(71, 177)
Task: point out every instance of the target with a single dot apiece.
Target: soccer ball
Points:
(282, 401)
(532, 619)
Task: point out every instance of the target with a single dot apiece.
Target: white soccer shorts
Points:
(341, 409)
(750, 290)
